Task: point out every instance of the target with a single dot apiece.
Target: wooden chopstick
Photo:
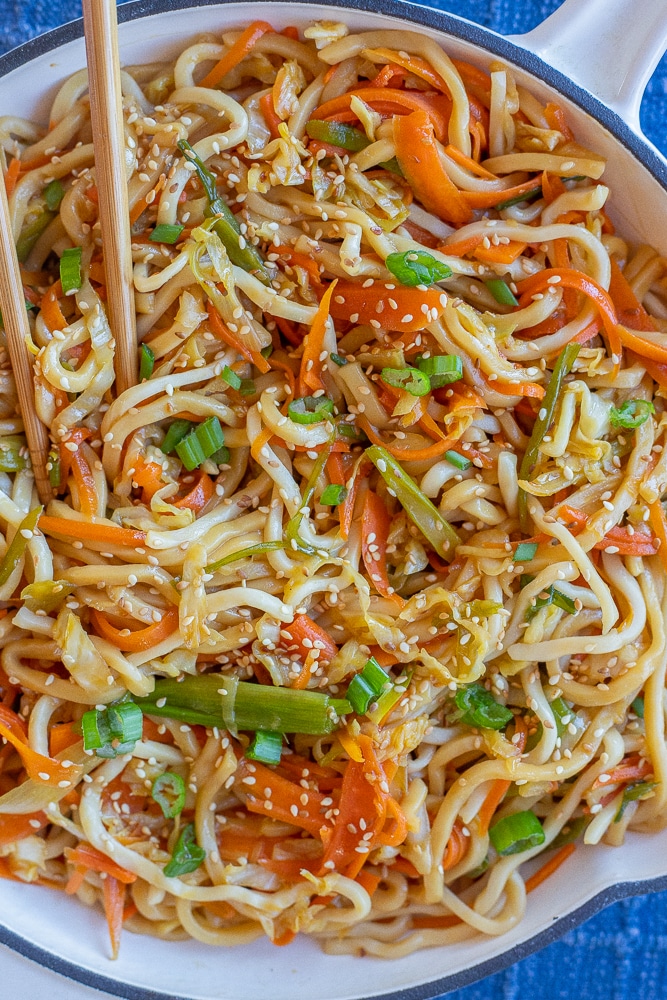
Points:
(101, 32)
(17, 329)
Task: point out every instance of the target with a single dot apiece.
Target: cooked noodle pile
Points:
(355, 605)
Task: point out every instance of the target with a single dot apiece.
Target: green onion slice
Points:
(638, 707)
(366, 686)
(525, 551)
(417, 267)
(501, 292)
(459, 461)
(637, 790)
(70, 269)
(53, 195)
(442, 369)
(633, 413)
(518, 199)
(165, 233)
(333, 495)
(203, 441)
(338, 360)
(517, 833)
(146, 363)
(411, 380)
(169, 792)
(310, 409)
(176, 432)
(187, 856)
(338, 134)
(480, 709)
(112, 731)
(553, 596)
(18, 544)
(231, 378)
(266, 747)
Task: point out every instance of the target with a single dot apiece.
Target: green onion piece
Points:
(70, 269)
(338, 134)
(563, 714)
(169, 792)
(221, 456)
(333, 495)
(632, 413)
(166, 233)
(53, 469)
(176, 432)
(146, 363)
(53, 195)
(247, 706)
(525, 579)
(187, 856)
(389, 697)
(502, 292)
(231, 378)
(480, 708)
(442, 369)
(338, 360)
(46, 595)
(637, 790)
(374, 675)
(31, 233)
(190, 452)
(226, 226)
(417, 267)
(366, 686)
(518, 199)
(310, 409)
(114, 730)
(247, 387)
(411, 380)
(266, 747)
(638, 707)
(292, 534)
(416, 504)
(553, 596)
(251, 550)
(572, 830)
(480, 869)
(545, 415)
(525, 551)
(459, 461)
(203, 440)
(267, 351)
(12, 449)
(516, 833)
(17, 546)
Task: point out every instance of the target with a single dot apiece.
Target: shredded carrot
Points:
(353, 299)
(13, 828)
(502, 253)
(44, 770)
(284, 795)
(198, 496)
(389, 102)
(466, 161)
(350, 745)
(87, 856)
(224, 333)
(148, 477)
(659, 524)
(295, 259)
(550, 867)
(306, 632)
(375, 528)
(368, 881)
(12, 175)
(271, 118)
(93, 531)
(629, 309)
(238, 51)
(62, 736)
(284, 939)
(555, 115)
(113, 897)
(419, 159)
(311, 366)
(531, 389)
(407, 454)
(630, 769)
(50, 308)
(85, 483)
(456, 848)
(141, 639)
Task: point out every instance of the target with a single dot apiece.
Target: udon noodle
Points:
(349, 619)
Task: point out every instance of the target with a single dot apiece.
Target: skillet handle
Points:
(608, 47)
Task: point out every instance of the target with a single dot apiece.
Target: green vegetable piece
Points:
(416, 504)
(12, 451)
(46, 595)
(54, 193)
(572, 830)
(187, 856)
(480, 709)
(17, 546)
(637, 790)
(518, 199)
(553, 596)
(337, 134)
(266, 747)
(70, 269)
(501, 292)
(338, 360)
(226, 226)
(417, 267)
(563, 365)
(248, 387)
(146, 363)
(251, 550)
(176, 432)
(442, 369)
(359, 694)
(459, 461)
(638, 707)
(169, 792)
(525, 551)
(231, 378)
(292, 535)
(563, 714)
(411, 380)
(112, 731)
(310, 409)
(516, 833)
(165, 233)
(525, 579)
(31, 233)
(333, 495)
(200, 443)
(221, 456)
(53, 469)
(632, 413)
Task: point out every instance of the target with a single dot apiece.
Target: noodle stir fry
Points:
(355, 605)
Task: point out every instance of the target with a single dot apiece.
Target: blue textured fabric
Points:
(622, 952)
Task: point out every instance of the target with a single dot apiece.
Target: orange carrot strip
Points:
(472, 165)
(375, 527)
(140, 640)
(311, 366)
(13, 828)
(487, 199)
(352, 299)
(12, 175)
(419, 159)
(407, 454)
(42, 769)
(550, 867)
(148, 476)
(50, 308)
(368, 881)
(271, 118)
(629, 309)
(503, 253)
(555, 116)
(239, 50)
(400, 103)
(303, 627)
(630, 769)
(659, 524)
(113, 897)
(62, 736)
(284, 795)
(93, 531)
(199, 495)
(87, 856)
(284, 939)
(85, 483)
(300, 260)
(224, 333)
(456, 848)
(518, 389)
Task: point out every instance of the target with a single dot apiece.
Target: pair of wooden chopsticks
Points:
(101, 32)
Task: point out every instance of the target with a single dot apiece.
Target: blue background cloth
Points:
(622, 952)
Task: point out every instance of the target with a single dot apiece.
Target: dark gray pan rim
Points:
(494, 45)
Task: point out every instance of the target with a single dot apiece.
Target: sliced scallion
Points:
(459, 461)
(70, 269)
(146, 363)
(169, 792)
(516, 833)
(310, 409)
(176, 432)
(410, 380)
(266, 747)
(333, 495)
(187, 856)
(525, 551)
(442, 369)
(366, 686)
(166, 233)
(54, 193)
(480, 709)
(113, 730)
(338, 360)
(231, 378)
(200, 443)
(417, 267)
(632, 413)
(501, 292)
(552, 596)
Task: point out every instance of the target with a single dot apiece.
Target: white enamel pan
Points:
(596, 56)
